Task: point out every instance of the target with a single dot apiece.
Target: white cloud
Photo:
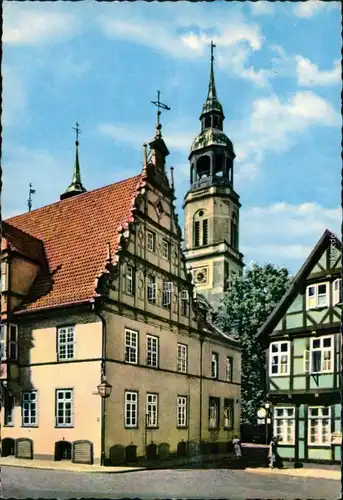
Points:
(261, 8)
(14, 97)
(309, 8)
(271, 231)
(36, 25)
(309, 74)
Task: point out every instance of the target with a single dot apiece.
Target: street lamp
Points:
(104, 391)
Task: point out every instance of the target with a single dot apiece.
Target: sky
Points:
(277, 71)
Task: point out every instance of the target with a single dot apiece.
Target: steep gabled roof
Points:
(23, 243)
(75, 233)
(281, 308)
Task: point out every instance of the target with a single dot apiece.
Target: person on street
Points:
(237, 447)
(272, 453)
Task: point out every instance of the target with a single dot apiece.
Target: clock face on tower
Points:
(200, 276)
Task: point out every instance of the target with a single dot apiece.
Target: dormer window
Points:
(317, 296)
(159, 209)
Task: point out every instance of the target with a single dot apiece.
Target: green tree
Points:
(247, 303)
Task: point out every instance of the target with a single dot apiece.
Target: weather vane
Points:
(159, 106)
(78, 132)
(212, 45)
(29, 201)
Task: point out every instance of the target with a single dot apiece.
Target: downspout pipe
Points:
(96, 308)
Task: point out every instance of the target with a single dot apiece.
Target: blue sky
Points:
(277, 75)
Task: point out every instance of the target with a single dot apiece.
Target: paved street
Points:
(216, 483)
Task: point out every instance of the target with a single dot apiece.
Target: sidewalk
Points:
(65, 466)
(334, 473)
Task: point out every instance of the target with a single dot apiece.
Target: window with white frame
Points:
(184, 302)
(151, 237)
(337, 292)
(167, 293)
(182, 411)
(3, 278)
(213, 413)
(29, 409)
(317, 295)
(131, 409)
(228, 413)
(321, 355)
(152, 289)
(214, 365)
(12, 342)
(152, 351)
(182, 354)
(284, 424)
(129, 281)
(66, 343)
(131, 346)
(165, 249)
(319, 425)
(2, 341)
(64, 408)
(279, 358)
(151, 410)
(229, 368)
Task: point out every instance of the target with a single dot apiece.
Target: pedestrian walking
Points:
(272, 452)
(237, 447)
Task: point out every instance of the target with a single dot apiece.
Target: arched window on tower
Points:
(229, 168)
(192, 173)
(207, 122)
(219, 166)
(200, 229)
(203, 167)
(234, 231)
(217, 122)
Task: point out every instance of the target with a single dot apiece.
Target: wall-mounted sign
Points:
(336, 438)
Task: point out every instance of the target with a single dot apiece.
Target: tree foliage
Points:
(247, 303)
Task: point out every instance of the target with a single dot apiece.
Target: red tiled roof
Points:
(23, 243)
(75, 233)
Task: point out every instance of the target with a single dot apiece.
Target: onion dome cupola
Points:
(211, 154)
(76, 186)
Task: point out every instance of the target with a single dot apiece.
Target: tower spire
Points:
(212, 104)
(76, 186)
(212, 93)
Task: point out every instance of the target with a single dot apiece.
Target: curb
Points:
(316, 474)
(87, 471)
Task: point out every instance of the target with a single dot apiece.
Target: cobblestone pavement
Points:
(216, 483)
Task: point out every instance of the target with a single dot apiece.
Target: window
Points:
(182, 411)
(159, 209)
(167, 293)
(234, 231)
(165, 249)
(131, 346)
(131, 409)
(214, 365)
(228, 413)
(152, 289)
(229, 368)
(3, 284)
(279, 358)
(337, 292)
(205, 232)
(129, 281)
(317, 296)
(184, 302)
(9, 405)
(151, 410)
(2, 341)
(181, 364)
(151, 241)
(29, 409)
(66, 343)
(64, 406)
(321, 355)
(284, 424)
(13, 342)
(319, 425)
(213, 413)
(152, 351)
(197, 233)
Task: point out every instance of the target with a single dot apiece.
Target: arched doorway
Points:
(62, 450)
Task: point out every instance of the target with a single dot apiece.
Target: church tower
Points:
(211, 205)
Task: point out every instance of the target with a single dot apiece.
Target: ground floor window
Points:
(284, 424)
(319, 425)
(64, 407)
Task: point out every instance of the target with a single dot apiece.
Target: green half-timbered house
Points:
(303, 345)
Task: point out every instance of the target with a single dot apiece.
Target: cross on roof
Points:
(212, 45)
(78, 131)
